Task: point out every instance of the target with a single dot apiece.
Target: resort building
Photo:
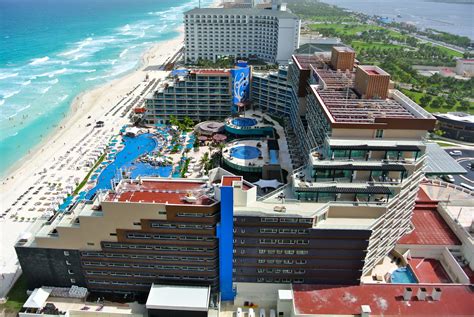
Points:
(270, 92)
(241, 33)
(198, 94)
(456, 125)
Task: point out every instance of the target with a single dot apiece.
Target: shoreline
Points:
(143, 62)
(95, 102)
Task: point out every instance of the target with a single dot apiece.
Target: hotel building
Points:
(243, 33)
(338, 216)
(198, 94)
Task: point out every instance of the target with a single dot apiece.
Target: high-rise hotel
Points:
(270, 35)
(338, 216)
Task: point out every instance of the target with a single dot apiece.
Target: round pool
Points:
(244, 122)
(245, 152)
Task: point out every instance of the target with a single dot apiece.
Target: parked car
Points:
(448, 178)
(456, 153)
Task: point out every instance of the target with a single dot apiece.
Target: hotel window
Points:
(379, 134)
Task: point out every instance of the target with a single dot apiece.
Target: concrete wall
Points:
(288, 39)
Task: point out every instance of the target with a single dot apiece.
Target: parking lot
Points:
(464, 159)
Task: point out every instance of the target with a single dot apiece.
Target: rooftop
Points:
(210, 72)
(439, 162)
(429, 271)
(229, 180)
(304, 61)
(242, 11)
(383, 299)
(373, 70)
(161, 191)
(342, 105)
(176, 297)
(456, 116)
(430, 229)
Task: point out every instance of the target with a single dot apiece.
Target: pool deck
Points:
(255, 162)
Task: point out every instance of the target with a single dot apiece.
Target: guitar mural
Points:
(240, 84)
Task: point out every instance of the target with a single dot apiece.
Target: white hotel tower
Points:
(268, 34)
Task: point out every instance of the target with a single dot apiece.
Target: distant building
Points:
(456, 125)
(246, 33)
(465, 67)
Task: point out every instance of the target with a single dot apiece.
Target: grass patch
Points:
(346, 29)
(449, 51)
(359, 45)
(16, 297)
(84, 181)
(416, 96)
(443, 144)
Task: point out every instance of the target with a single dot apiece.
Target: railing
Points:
(273, 193)
(440, 183)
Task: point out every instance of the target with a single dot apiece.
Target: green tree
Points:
(425, 100)
(174, 121)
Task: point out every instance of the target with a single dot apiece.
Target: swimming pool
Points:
(244, 122)
(403, 275)
(245, 152)
(133, 148)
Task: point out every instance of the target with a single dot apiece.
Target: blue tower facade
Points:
(225, 234)
(240, 84)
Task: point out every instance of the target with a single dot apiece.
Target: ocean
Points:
(455, 18)
(53, 50)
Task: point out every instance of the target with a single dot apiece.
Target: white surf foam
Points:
(39, 61)
(11, 94)
(26, 83)
(7, 75)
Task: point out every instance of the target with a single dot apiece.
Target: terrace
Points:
(168, 191)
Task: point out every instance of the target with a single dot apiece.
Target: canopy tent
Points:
(38, 298)
(132, 131)
(263, 183)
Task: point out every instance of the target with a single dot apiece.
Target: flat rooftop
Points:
(210, 72)
(228, 180)
(161, 191)
(242, 11)
(429, 271)
(373, 70)
(383, 299)
(175, 297)
(430, 229)
(304, 61)
(346, 107)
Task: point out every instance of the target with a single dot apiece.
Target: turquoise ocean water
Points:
(52, 50)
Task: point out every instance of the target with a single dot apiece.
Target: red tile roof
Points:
(383, 299)
(160, 191)
(430, 229)
(429, 270)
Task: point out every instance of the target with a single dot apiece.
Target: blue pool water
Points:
(244, 122)
(245, 152)
(403, 275)
(133, 148)
(273, 156)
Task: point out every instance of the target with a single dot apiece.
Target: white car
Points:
(456, 153)
(448, 178)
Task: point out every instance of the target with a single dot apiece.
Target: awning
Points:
(439, 162)
(38, 298)
(263, 183)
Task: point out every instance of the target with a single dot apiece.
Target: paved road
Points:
(464, 160)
